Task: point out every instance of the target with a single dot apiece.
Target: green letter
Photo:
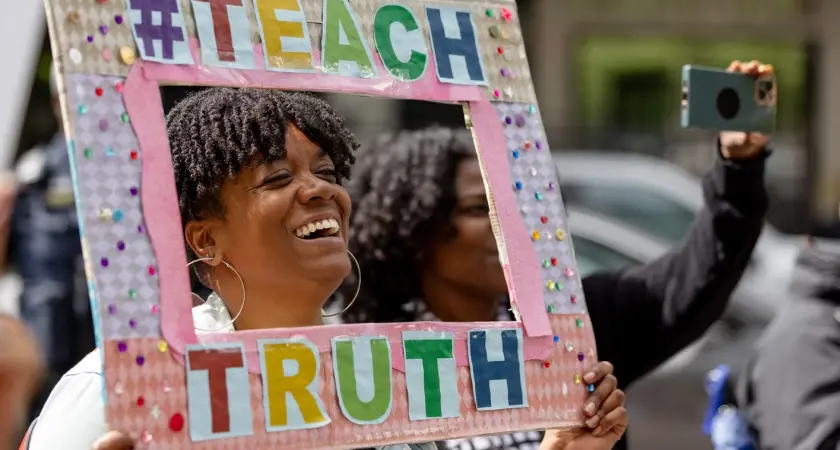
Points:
(431, 377)
(343, 49)
(406, 43)
(350, 377)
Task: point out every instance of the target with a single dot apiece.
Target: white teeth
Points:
(330, 225)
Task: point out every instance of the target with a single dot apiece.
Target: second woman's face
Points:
(286, 222)
(467, 255)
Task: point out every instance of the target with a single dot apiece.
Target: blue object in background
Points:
(716, 381)
(726, 426)
(730, 430)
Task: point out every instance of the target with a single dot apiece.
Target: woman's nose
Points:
(315, 189)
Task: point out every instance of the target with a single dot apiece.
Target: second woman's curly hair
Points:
(403, 191)
(217, 132)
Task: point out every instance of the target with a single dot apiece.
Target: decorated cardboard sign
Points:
(346, 386)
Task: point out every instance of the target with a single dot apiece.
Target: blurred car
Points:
(660, 199)
(667, 407)
(605, 244)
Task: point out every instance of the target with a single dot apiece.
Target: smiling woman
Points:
(258, 170)
(258, 177)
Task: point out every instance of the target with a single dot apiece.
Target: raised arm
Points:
(644, 315)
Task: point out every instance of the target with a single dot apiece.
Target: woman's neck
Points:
(265, 309)
(451, 303)
(277, 317)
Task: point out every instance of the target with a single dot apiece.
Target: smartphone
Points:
(715, 99)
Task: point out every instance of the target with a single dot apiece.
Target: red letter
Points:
(216, 363)
(221, 27)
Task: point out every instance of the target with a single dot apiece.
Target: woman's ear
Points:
(199, 235)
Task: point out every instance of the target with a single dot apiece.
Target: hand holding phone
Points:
(742, 98)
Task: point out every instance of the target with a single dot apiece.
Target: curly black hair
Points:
(216, 132)
(403, 191)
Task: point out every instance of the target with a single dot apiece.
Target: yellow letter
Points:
(290, 373)
(285, 35)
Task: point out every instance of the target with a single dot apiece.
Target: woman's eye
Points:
(278, 179)
(329, 174)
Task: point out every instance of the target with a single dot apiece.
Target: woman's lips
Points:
(321, 228)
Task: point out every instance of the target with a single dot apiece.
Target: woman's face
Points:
(285, 224)
(466, 255)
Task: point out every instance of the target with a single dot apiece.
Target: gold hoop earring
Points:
(358, 289)
(241, 307)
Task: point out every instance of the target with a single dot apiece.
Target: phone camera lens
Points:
(728, 103)
(766, 86)
(765, 90)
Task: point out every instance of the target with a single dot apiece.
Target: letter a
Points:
(344, 51)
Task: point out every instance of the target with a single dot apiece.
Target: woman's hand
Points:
(21, 371)
(114, 440)
(737, 144)
(604, 412)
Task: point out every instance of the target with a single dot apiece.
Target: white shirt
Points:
(73, 418)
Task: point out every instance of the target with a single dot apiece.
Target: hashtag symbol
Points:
(166, 33)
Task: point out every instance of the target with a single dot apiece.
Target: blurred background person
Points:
(46, 250)
(21, 371)
(789, 393)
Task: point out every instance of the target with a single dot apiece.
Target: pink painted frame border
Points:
(159, 203)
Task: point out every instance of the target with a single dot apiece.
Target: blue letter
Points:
(498, 367)
(455, 45)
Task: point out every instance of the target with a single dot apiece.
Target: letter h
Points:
(508, 369)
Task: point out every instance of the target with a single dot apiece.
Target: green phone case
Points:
(718, 100)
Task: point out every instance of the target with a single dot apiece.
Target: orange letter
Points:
(285, 35)
(290, 373)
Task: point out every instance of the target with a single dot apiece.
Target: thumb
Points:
(114, 440)
(558, 439)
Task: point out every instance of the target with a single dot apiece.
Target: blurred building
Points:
(798, 36)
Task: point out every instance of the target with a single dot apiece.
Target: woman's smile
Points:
(321, 233)
(318, 228)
